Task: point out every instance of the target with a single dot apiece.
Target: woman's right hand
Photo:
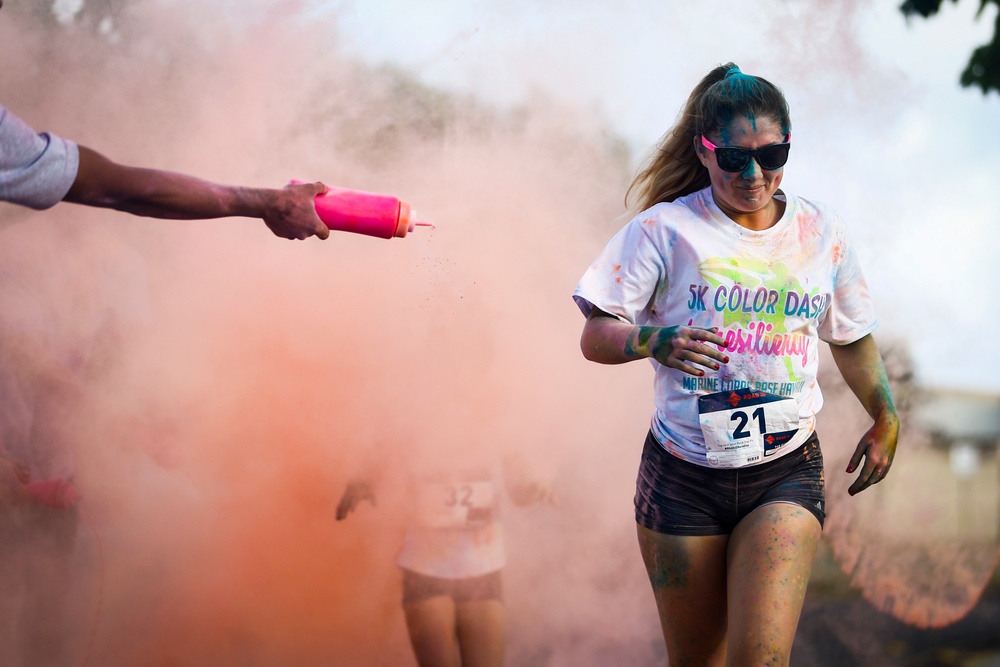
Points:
(680, 347)
(609, 340)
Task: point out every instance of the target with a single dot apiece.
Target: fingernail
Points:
(715, 366)
(701, 372)
(726, 360)
(850, 469)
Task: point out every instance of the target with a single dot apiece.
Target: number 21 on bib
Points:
(745, 426)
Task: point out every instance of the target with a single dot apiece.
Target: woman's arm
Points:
(608, 340)
(861, 365)
(289, 212)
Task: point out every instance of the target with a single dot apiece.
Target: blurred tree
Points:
(983, 69)
(104, 16)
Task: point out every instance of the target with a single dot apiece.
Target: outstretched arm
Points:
(861, 365)
(13, 477)
(289, 212)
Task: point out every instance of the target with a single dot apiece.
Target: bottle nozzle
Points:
(408, 220)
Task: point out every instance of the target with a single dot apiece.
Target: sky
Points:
(882, 130)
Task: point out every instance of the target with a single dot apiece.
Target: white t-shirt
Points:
(36, 170)
(773, 294)
(454, 532)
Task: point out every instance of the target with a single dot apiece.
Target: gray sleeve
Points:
(36, 169)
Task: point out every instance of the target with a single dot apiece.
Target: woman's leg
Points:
(481, 632)
(431, 624)
(688, 575)
(771, 553)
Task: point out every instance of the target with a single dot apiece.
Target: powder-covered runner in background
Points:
(453, 554)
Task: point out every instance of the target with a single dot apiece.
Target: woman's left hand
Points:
(877, 446)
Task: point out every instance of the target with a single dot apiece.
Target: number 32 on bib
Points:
(466, 504)
(745, 426)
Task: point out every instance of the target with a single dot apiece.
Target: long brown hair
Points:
(672, 169)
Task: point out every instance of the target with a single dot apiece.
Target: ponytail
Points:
(673, 169)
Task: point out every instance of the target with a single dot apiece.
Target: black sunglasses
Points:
(737, 159)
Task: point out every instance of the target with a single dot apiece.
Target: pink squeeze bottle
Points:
(366, 213)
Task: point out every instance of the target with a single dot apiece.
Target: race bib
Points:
(455, 505)
(745, 426)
